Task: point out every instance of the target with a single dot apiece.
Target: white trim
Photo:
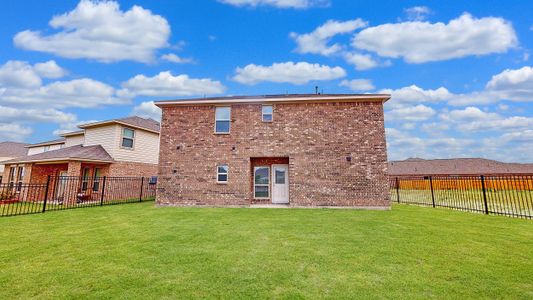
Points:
(104, 123)
(263, 184)
(122, 137)
(318, 98)
(227, 174)
(223, 120)
(271, 114)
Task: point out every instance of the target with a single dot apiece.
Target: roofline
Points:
(55, 142)
(290, 99)
(109, 122)
(56, 160)
(72, 133)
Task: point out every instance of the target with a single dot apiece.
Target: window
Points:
(267, 113)
(261, 182)
(11, 178)
(222, 173)
(152, 180)
(96, 180)
(222, 119)
(20, 178)
(85, 179)
(46, 148)
(128, 135)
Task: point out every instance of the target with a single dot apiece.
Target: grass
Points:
(140, 251)
(501, 201)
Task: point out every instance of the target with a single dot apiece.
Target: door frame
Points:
(273, 182)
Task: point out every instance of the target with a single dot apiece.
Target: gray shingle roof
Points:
(134, 121)
(78, 152)
(12, 149)
(456, 166)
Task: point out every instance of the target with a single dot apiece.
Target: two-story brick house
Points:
(119, 147)
(297, 150)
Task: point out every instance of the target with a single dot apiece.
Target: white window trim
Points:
(227, 174)
(262, 184)
(229, 120)
(122, 137)
(263, 114)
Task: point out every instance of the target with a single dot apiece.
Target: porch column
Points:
(72, 184)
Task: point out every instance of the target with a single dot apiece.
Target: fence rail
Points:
(66, 192)
(508, 195)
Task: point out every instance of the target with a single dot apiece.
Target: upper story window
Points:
(128, 136)
(267, 113)
(46, 148)
(222, 119)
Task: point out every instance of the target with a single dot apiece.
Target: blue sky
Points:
(459, 72)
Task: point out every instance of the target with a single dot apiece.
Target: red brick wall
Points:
(131, 169)
(316, 137)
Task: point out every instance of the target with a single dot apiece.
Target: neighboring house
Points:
(456, 166)
(8, 151)
(298, 150)
(119, 147)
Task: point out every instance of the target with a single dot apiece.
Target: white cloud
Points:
(12, 114)
(419, 42)
(165, 84)
(18, 74)
(363, 61)
(14, 132)
(358, 84)
(288, 72)
(147, 110)
(473, 119)
(414, 94)
(71, 126)
(317, 40)
(171, 57)
(83, 92)
(513, 84)
(101, 31)
(417, 13)
(410, 113)
(277, 3)
(49, 69)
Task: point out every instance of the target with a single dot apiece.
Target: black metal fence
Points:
(508, 195)
(66, 192)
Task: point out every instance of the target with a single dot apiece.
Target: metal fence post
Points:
(397, 190)
(141, 195)
(484, 194)
(46, 193)
(103, 191)
(432, 194)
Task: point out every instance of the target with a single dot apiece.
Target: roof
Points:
(292, 98)
(133, 121)
(12, 149)
(47, 143)
(73, 133)
(456, 166)
(78, 152)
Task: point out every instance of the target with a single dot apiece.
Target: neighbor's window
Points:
(267, 113)
(222, 119)
(222, 173)
(85, 179)
(127, 138)
(11, 178)
(261, 182)
(46, 148)
(20, 178)
(96, 179)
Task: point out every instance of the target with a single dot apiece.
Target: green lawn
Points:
(140, 251)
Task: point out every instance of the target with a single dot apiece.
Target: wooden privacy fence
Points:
(65, 192)
(509, 195)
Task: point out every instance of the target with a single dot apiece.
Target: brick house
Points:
(119, 147)
(295, 150)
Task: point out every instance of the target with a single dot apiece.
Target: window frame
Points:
(263, 113)
(122, 137)
(263, 184)
(96, 179)
(85, 179)
(223, 120)
(20, 177)
(46, 148)
(11, 178)
(219, 173)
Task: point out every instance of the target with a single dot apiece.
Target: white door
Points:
(280, 184)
